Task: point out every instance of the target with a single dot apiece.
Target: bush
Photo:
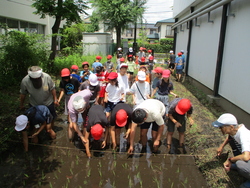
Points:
(19, 51)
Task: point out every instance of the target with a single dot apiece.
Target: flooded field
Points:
(60, 163)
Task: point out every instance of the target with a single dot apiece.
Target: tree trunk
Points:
(118, 36)
(55, 30)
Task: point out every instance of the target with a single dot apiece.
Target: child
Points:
(140, 89)
(114, 93)
(144, 69)
(102, 77)
(68, 85)
(86, 72)
(158, 75)
(131, 68)
(179, 66)
(74, 71)
(123, 79)
(96, 63)
(121, 61)
(109, 66)
(93, 85)
(163, 88)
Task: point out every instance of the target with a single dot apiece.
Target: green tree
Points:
(117, 14)
(60, 10)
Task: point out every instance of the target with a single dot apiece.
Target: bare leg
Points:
(181, 138)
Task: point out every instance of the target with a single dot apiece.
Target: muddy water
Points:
(61, 164)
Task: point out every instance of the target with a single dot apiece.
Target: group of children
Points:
(102, 88)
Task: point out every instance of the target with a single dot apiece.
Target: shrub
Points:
(19, 51)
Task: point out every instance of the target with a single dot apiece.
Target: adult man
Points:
(78, 103)
(178, 108)
(109, 66)
(171, 65)
(141, 54)
(120, 117)
(237, 132)
(97, 121)
(149, 111)
(41, 90)
(34, 120)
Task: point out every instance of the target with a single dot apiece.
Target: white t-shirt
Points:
(123, 81)
(114, 93)
(243, 138)
(155, 110)
(143, 87)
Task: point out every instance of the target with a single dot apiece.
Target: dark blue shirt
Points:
(163, 87)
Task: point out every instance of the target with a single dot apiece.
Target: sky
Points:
(156, 10)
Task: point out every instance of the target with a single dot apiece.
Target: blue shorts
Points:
(109, 106)
(179, 71)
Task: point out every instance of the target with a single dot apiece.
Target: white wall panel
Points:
(235, 77)
(182, 39)
(204, 47)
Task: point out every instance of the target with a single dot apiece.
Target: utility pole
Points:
(135, 28)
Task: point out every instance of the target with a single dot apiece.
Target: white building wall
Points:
(204, 45)
(235, 77)
(182, 39)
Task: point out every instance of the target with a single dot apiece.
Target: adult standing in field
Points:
(149, 111)
(41, 90)
(178, 109)
(238, 135)
(97, 63)
(78, 103)
(32, 122)
(179, 66)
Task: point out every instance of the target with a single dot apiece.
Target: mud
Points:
(60, 163)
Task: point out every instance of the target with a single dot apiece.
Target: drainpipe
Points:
(189, 42)
(175, 36)
(220, 50)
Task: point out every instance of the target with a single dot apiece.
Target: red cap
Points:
(109, 57)
(166, 73)
(142, 59)
(85, 63)
(98, 57)
(158, 70)
(112, 75)
(179, 54)
(122, 59)
(96, 131)
(121, 118)
(183, 106)
(65, 72)
(141, 48)
(149, 51)
(75, 67)
(151, 58)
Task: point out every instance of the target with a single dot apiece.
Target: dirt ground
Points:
(61, 164)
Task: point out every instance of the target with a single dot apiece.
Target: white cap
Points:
(119, 48)
(21, 122)
(130, 49)
(182, 51)
(171, 51)
(123, 65)
(141, 75)
(93, 80)
(79, 104)
(225, 119)
(35, 74)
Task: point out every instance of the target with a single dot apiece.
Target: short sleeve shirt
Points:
(155, 110)
(114, 93)
(118, 107)
(85, 94)
(94, 89)
(96, 115)
(77, 77)
(71, 86)
(173, 104)
(144, 88)
(109, 66)
(164, 88)
(41, 96)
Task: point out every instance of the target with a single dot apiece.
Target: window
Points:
(12, 24)
(169, 31)
(129, 33)
(24, 26)
(159, 29)
(32, 28)
(152, 31)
